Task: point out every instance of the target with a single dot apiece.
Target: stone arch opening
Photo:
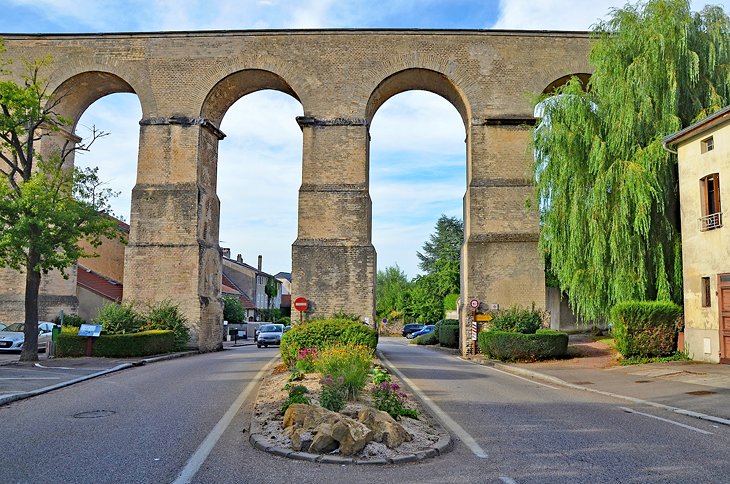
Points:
(553, 86)
(233, 87)
(437, 165)
(79, 92)
(258, 172)
(421, 80)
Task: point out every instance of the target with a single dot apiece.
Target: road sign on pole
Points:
(301, 304)
(474, 303)
(474, 331)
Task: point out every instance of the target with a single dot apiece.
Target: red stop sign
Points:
(301, 304)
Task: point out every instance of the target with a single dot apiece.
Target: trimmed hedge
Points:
(145, 343)
(427, 339)
(447, 331)
(517, 320)
(646, 328)
(509, 346)
(323, 333)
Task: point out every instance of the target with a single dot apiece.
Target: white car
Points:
(12, 337)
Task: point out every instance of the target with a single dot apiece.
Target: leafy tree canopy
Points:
(441, 254)
(607, 189)
(233, 310)
(392, 287)
(46, 206)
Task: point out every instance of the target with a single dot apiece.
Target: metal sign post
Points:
(474, 304)
(301, 304)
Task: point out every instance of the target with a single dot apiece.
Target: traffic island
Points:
(358, 434)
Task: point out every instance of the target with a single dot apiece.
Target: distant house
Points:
(251, 281)
(229, 288)
(100, 280)
(285, 279)
(94, 291)
(704, 182)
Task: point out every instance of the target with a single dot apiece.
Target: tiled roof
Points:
(229, 287)
(96, 283)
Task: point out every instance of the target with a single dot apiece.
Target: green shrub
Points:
(646, 328)
(387, 397)
(73, 320)
(116, 346)
(510, 346)
(233, 310)
(351, 362)
(427, 339)
(119, 319)
(167, 315)
(447, 332)
(297, 394)
(324, 333)
(517, 320)
(333, 394)
(380, 375)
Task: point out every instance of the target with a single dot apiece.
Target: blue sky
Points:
(417, 156)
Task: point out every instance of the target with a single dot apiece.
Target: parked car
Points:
(425, 330)
(3, 325)
(269, 334)
(411, 328)
(12, 336)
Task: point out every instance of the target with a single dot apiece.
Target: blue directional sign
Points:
(90, 330)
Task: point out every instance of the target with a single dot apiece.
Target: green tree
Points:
(390, 295)
(442, 253)
(607, 189)
(233, 310)
(46, 206)
(424, 303)
(271, 290)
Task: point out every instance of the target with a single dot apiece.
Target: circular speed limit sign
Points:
(474, 303)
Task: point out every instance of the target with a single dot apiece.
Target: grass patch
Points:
(638, 360)
(608, 341)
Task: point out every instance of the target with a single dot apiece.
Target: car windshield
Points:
(271, 328)
(15, 327)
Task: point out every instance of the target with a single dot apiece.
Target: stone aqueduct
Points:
(186, 82)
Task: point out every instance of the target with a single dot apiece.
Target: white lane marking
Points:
(53, 367)
(507, 480)
(447, 421)
(32, 378)
(522, 378)
(689, 427)
(197, 459)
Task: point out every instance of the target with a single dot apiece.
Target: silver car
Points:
(12, 337)
(269, 334)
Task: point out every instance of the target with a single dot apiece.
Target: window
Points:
(710, 198)
(706, 299)
(707, 144)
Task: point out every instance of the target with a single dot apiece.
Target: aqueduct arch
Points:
(186, 81)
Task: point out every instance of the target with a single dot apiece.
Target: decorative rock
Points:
(323, 439)
(352, 435)
(385, 428)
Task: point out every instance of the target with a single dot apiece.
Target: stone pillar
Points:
(333, 259)
(500, 260)
(173, 248)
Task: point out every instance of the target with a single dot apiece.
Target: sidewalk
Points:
(19, 380)
(686, 387)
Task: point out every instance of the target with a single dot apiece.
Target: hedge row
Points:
(323, 333)
(646, 328)
(145, 343)
(447, 331)
(509, 346)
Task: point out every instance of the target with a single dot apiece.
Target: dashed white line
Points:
(689, 427)
(455, 428)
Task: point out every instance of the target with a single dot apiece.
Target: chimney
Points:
(239, 259)
(260, 260)
(226, 252)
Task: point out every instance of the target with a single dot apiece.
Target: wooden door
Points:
(723, 292)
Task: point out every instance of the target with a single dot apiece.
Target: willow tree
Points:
(607, 190)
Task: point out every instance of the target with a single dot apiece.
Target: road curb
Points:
(21, 396)
(558, 381)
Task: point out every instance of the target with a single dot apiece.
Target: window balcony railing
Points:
(710, 222)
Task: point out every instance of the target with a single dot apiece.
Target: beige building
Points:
(704, 185)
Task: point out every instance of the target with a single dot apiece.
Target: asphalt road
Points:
(186, 420)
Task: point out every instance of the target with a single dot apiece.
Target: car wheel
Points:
(258, 345)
